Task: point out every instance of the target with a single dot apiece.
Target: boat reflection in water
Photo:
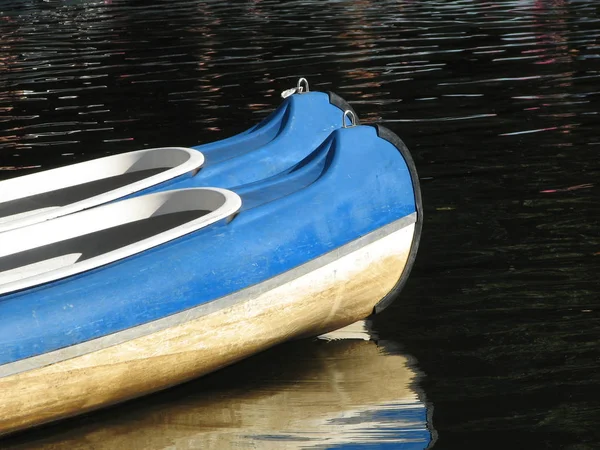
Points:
(334, 393)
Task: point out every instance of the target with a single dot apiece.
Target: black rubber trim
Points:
(392, 138)
(338, 101)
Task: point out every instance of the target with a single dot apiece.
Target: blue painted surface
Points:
(288, 135)
(354, 183)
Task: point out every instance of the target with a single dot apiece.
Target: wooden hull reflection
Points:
(301, 394)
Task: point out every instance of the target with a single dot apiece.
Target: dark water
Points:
(495, 342)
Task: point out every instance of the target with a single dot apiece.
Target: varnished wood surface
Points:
(328, 298)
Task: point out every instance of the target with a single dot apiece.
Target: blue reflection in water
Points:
(367, 396)
(395, 425)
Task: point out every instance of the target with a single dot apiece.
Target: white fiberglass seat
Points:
(72, 244)
(52, 193)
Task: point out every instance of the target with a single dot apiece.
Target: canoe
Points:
(132, 297)
(290, 133)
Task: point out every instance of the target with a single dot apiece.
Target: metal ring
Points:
(351, 116)
(301, 88)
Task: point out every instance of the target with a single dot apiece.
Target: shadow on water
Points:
(498, 102)
(304, 394)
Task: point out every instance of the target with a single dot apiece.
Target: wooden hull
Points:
(342, 291)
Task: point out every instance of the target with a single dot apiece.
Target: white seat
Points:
(44, 195)
(88, 239)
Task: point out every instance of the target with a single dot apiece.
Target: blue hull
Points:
(354, 184)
